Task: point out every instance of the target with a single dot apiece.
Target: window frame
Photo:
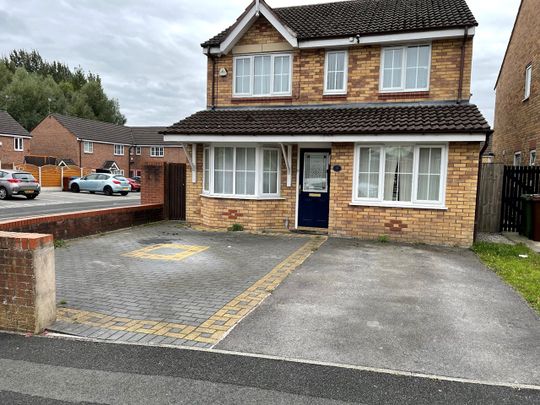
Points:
(343, 90)
(516, 155)
(259, 170)
(138, 150)
(528, 82)
(532, 162)
(18, 144)
(153, 149)
(403, 88)
(90, 149)
(415, 202)
(252, 75)
(120, 146)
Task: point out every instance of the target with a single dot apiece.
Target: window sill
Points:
(391, 205)
(258, 99)
(229, 197)
(403, 94)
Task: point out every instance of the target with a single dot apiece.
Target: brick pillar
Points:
(153, 184)
(27, 282)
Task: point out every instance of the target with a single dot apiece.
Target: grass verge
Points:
(521, 273)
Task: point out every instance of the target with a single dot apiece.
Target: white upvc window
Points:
(138, 150)
(405, 68)
(532, 157)
(517, 159)
(336, 69)
(119, 150)
(157, 151)
(528, 82)
(400, 175)
(262, 75)
(18, 144)
(241, 171)
(88, 147)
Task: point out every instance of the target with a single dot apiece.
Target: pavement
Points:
(169, 284)
(517, 238)
(38, 370)
(56, 202)
(401, 307)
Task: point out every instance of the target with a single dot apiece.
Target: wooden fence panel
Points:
(51, 176)
(30, 169)
(490, 202)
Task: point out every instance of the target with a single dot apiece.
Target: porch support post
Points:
(287, 157)
(192, 161)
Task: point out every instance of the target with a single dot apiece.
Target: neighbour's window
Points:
(88, 147)
(400, 175)
(532, 157)
(157, 151)
(119, 150)
(528, 82)
(335, 78)
(138, 150)
(517, 159)
(262, 75)
(241, 171)
(405, 68)
(18, 144)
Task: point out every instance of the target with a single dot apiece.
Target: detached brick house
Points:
(14, 141)
(349, 117)
(517, 109)
(100, 145)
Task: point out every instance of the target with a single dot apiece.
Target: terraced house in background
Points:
(14, 141)
(517, 109)
(101, 145)
(349, 117)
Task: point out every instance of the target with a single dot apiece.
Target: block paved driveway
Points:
(412, 308)
(167, 284)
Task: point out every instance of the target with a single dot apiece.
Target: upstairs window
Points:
(405, 68)
(532, 157)
(335, 78)
(528, 82)
(262, 75)
(88, 147)
(138, 150)
(119, 150)
(157, 151)
(18, 144)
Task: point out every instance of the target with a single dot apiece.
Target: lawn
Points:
(521, 273)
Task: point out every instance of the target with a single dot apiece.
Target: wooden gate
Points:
(175, 191)
(489, 198)
(517, 180)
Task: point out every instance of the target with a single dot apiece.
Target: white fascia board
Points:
(463, 137)
(246, 23)
(388, 39)
(17, 136)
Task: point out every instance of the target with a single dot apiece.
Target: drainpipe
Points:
(462, 66)
(486, 144)
(80, 152)
(213, 101)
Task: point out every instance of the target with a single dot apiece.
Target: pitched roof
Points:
(336, 120)
(92, 130)
(368, 17)
(148, 136)
(8, 125)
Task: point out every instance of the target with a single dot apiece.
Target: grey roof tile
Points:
(8, 126)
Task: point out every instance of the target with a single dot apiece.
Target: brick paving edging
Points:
(214, 328)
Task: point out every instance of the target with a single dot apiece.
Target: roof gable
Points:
(8, 126)
(92, 130)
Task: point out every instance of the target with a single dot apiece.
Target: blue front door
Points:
(314, 188)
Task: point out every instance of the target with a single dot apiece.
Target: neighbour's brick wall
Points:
(8, 154)
(221, 213)
(27, 282)
(454, 226)
(364, 72)
(172, 155)
(517, 122)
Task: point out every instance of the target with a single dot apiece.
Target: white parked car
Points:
(101, 183)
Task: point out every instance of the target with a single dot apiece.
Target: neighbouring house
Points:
(517, 108)
(101, 145)
(351, 118)
(14, 141)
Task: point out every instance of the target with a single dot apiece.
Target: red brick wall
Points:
(172, 155)
(517, 122)
(27, 283)
(103, 152)
(8, 155)
(153, 183)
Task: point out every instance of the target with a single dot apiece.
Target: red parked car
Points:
(135, 185)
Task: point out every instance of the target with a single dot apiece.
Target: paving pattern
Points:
(168, 284)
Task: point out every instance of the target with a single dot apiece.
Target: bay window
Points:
(241, 171)
(405, 68)
(400, 175)
(262, 75)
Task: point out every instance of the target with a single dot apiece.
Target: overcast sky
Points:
(148, 55)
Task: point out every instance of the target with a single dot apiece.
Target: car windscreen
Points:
(24, 176)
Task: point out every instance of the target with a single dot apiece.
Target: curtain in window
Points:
(398, 173)
(368, 174)
(282, 73)
(261, 78)
(206, 164)
(429, 174)
(245, 171)
(243, 76)
(335, 71)
(270, 171)
(417, 67)
(223, 170)
(392, 69)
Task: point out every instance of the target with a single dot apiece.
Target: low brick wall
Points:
(85, 223)
(27, 282)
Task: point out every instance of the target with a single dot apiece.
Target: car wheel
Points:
(3, 194)
(124, 193)
(75, 188)
(31, 196)
(108, 191)
(92, 192)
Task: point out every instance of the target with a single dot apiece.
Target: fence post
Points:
(39, 175)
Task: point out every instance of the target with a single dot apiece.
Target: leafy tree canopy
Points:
(31, 88)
